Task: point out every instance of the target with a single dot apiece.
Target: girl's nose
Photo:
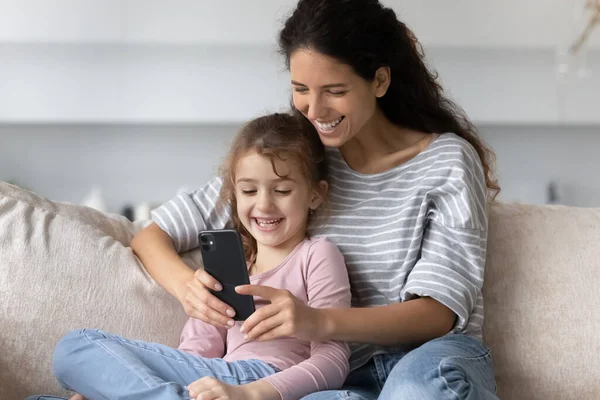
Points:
(264, 201)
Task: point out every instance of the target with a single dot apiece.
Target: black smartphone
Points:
(224, 259)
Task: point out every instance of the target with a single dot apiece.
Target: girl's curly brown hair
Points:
(281, 136)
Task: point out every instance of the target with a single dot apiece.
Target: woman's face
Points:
(332, 96)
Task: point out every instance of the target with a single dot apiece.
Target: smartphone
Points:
(224, 259)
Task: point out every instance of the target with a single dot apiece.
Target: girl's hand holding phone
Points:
(286, 316)
(201, 304)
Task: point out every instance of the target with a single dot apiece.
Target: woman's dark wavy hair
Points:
(366, 35)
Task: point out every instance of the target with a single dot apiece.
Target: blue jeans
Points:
(453, 367)
(103, 366)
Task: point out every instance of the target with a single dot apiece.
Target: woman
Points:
(408, 185)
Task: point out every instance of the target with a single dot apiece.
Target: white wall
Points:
(125, 107)
(105, 83)
(134, 164)
(530, 157)
(131, 164)
(473, 23)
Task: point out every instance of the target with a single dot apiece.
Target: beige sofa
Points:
(65, 266)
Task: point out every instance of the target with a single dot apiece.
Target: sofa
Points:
(64, 266)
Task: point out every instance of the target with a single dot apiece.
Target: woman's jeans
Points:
(103, 366)
(452, 367)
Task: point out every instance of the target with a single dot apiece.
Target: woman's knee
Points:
(441, 369)
(339, 395)
(412, 379)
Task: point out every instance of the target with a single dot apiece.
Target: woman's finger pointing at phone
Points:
(286, 316)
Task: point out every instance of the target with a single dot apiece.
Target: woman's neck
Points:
(382, 145)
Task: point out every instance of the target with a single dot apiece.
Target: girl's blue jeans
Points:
(102, 366)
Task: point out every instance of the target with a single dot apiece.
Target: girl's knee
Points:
(68, 351)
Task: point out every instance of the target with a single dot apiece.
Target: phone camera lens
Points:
(205, 247)
(203, 239)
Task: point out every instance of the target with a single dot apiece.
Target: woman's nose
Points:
(314, 107)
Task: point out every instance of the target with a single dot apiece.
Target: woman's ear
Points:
(381, 83)
(319, 194)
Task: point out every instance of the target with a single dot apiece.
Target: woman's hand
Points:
(286, 316)
(199, 303)
(209, 388)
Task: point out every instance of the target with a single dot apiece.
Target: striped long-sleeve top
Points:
(416, 230)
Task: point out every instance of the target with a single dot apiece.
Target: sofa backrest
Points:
(542, 301)
(64, 266)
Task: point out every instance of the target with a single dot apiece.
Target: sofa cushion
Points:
(542, 301)
(62, 267)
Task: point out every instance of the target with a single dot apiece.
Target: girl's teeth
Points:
(263, 222)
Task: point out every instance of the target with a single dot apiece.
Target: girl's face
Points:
(332, 96)
(273, 209)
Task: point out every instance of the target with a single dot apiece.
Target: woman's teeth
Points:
(329, 126)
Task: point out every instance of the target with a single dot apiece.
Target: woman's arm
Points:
(441, 291)
(156, 251)
(409, 323)
(175, 229)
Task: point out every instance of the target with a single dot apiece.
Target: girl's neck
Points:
(268, 258)
(382, 145)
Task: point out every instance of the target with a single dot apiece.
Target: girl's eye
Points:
(283, 192)
(248, 191)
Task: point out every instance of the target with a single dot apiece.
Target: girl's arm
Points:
(327, 368)
(202, 339)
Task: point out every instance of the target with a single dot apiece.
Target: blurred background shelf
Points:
(231, 83)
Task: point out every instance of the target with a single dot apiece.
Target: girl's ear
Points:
(319, 194)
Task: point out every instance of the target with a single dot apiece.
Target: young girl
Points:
(274, 179)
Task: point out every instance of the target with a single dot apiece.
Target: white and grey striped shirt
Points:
(419, 229)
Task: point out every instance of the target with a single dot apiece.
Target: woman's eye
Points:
(300, 90)
(336, 93)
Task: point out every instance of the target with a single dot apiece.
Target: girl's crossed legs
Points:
(104, 366)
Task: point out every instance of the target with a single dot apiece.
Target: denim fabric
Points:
(103, 366)
(453, 367)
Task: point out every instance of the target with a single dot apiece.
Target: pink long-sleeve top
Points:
(316, 274)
